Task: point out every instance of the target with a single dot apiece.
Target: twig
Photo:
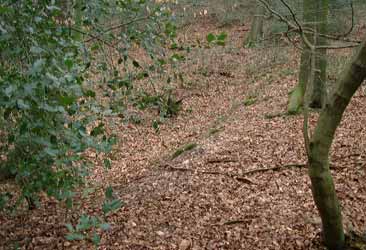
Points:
(118, 26)
(93, 36)
(297, 27)
(293, 15)
(232, 222)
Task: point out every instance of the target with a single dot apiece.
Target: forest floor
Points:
(243, 182)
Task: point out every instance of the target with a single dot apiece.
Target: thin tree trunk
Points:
(322, 182)
(256, 30)
(318, 87)
(315, 17)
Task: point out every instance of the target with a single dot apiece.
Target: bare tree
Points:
(318, 145)
(322, 182)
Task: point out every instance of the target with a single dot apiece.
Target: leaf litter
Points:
(192, 201)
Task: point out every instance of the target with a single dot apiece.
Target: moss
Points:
(250, 101)
(296, 100)
(213, 131)
(183, 149)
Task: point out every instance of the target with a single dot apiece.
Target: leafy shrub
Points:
(50, 113)
(43, 103)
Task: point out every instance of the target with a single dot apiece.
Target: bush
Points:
(49, 115)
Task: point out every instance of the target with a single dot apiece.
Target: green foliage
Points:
(91, 227)
(111, 204)
(42, 100)
(49, 108)
(217, 39)
(165, 103)
(86, 228)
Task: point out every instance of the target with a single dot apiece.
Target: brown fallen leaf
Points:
(185, 244)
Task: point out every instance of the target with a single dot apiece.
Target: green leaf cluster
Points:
(50, 113)
(91, 227)
(216, 39)
(166, 104)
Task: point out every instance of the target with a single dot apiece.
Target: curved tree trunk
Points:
(322, 182)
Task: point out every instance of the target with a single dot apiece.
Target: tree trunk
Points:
(318, 94)
(256, 30)
(322, 183)
(315, 17)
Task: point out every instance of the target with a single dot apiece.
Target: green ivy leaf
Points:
(70, 228)
(111, 206)
(109, 193)
(155, 125)
(69, 63)
(210, 38)
(222, 36)
(84, 223)
(96, 238)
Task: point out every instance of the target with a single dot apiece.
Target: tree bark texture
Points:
(322, 182)
(256, 30)
(315, 17)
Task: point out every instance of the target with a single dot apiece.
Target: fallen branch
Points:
(237, 177)
(234, 176)
(223, 160)
(277, 168)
